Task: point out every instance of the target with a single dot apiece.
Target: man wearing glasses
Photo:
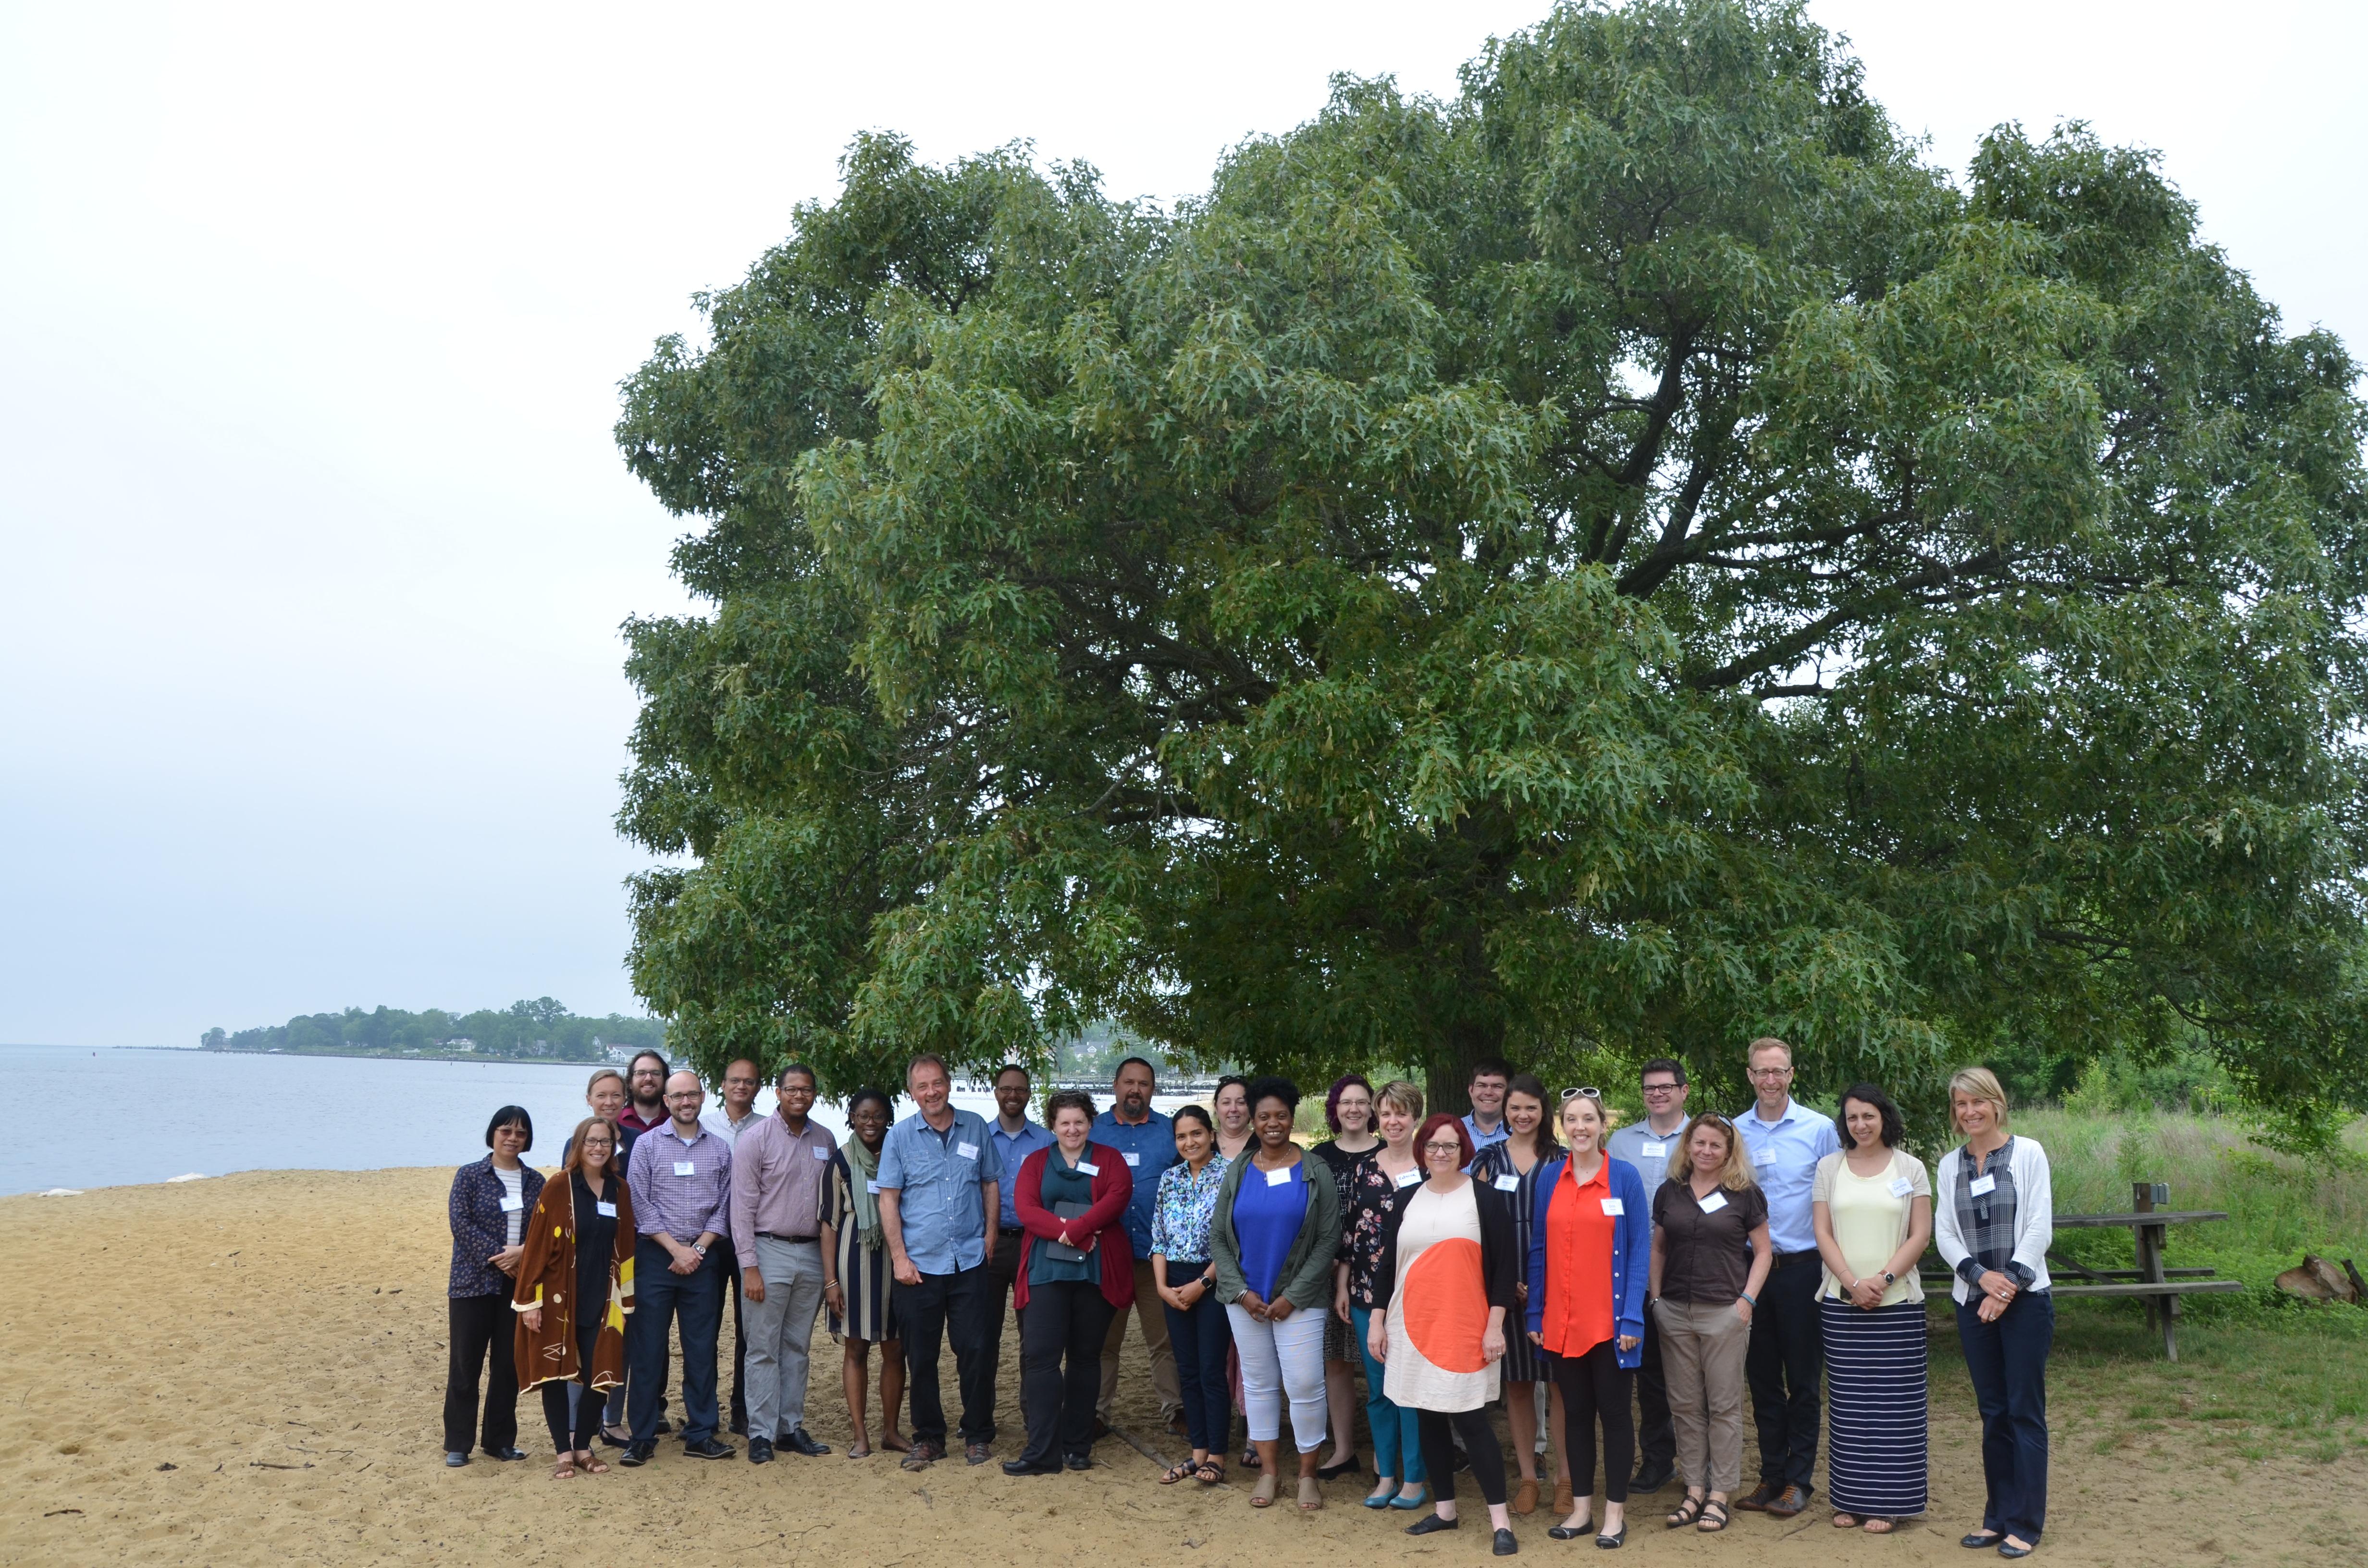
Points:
(1787, 1355)
(681, 1180)
(1648, 1145)
(777, 1170)
(737, 1115)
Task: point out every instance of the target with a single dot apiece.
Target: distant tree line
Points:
(541, 1028)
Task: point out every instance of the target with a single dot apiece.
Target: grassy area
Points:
(2279, 1208)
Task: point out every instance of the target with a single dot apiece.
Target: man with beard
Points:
(1147, 1141)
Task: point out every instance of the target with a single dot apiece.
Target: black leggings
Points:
(587, 1408)
(1595, 1387)
(1479, 1447)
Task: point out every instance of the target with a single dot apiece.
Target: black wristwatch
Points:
(1889, 1279)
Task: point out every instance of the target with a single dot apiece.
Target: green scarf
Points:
(864, 1166)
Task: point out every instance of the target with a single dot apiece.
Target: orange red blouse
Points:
(1578, 1306)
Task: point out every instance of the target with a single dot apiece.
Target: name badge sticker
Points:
(1133, 1159)
(1504, 1183)
(1089, 1167)
(1653, 1151)
(608, 1210)
(1407, 1178)
(1713, 1203)
(968, 1151)
(872, 1188)
(512, 1205)
(1901, 1187)
(1614, 1207)
(685, 1167)
(822, 1154)
(1981, 1187)
(1279, 1178)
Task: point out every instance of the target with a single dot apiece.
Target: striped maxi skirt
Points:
(1877, 1401)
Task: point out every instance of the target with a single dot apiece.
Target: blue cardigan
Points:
(1632, 1253)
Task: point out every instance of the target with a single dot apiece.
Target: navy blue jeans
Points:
(662, 1298)
(2008, 1362)
(1199, 1338)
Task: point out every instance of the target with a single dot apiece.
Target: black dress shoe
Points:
(709, 1448)
(637, 1454)
(456, 1458)
(1432, 1526)
(507, 1455)
(740, 1427)
(1504, 1545)
(1570, 1532)
(1652, 1478)
(759, 1451)
(1334, 1472)
(665, 1428)
(1030, 1467)
(1078, 1461)
(796, 1441)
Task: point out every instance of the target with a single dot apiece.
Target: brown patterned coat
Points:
(546, 1277)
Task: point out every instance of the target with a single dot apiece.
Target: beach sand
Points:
(250, 1370)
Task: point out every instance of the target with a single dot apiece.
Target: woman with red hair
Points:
(1442, 1294)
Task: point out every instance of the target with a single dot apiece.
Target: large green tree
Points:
(1624, 560)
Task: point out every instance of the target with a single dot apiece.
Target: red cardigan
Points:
(1113, 1188)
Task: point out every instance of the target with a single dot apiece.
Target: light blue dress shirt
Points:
(1784, 1155)
(1482, 1140)
(937, 1187)
(1149, 1148)
(1010, 1149)
(1629, 1143)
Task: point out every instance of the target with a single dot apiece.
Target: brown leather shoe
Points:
(1525, 1498)
(1756, 1501)
(1787, 1503)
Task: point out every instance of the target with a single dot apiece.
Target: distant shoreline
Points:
(365, 1055)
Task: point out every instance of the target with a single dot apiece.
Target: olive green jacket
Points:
(1306, 1278)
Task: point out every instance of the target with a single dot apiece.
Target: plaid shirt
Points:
(680, 1206)
(1987, 1223)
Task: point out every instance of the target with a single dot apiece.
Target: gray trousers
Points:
(781, 1333)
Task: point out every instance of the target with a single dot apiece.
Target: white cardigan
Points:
(2034, 1214)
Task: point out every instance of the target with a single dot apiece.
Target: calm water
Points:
(141, 1115)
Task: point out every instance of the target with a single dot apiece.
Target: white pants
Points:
(1280, 1357)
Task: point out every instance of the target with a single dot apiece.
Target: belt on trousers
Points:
(1786, 1259)
(1011, 1230)
(772, 1236)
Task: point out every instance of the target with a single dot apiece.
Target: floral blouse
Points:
(1184, 1208)
(1367, 1196)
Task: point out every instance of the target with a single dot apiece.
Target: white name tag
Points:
(872, 1188)
(822, 1154)
(1279, 1178)
(967, 1151)
(512, 1205)
(1614, 1207)
(1713, 1203)
(1766, 1157)
(1503, 1184)
(1089, 1167)
(1132, 1160)
(1981, 1185)
(608, 1210)
(1653, 1151)
(1407, 1178)
(1901, 1187)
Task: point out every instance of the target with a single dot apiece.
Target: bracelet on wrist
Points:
(1750, 1298)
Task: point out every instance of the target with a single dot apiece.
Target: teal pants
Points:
(1397, 1438)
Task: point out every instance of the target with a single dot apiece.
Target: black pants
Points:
(1594, 1388)
(1063, 1318)
(1783, 1365)
(566, 1436)
(481, 1326)
(1002, 1270)
(1657, 1434)
(959, 1307)
(723, 1249)
(1439, 1434)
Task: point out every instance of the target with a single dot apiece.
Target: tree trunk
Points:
(1446, 1073)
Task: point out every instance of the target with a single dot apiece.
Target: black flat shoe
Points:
(1652, 1480)
(1570, 1532)
(456, 1458)
(1334, 1472)
(1980, 1539)
(1024, 1467)
(2008, 1549)
(1613, 1543)
(1504, 1545)
(1078, 1461)
(1432, 1526)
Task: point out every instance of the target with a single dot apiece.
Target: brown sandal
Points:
(1262, 1494)
(590, 1463)
(565, 1468)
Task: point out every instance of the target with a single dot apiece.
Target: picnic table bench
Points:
(2160, 1287)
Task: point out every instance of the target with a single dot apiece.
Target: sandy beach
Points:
(249, 1369)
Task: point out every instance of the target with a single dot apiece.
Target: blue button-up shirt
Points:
(935, 1176)
(1630, 1143)
(1010, 1148)
(1148, 1147)
(1784, 1155)
(1480, 1140)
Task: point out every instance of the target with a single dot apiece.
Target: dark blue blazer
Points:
(1632, 1253)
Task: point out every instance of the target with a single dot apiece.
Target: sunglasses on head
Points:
(1569, 1094)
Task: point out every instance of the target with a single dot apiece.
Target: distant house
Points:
(464, 1043)
(621, 1054)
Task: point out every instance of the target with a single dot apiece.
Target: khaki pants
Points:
(1703, 1347)
(1151, 1316)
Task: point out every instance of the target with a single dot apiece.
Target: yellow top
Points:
(1870, 1217)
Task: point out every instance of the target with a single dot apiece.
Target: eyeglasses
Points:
(1769, 1072)
(1663, 1088)
(1455, 1148)
(1569, 1094)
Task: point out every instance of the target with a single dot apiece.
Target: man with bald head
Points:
(680, 1175)
(737, 1115)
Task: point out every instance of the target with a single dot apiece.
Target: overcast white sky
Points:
(314, 546)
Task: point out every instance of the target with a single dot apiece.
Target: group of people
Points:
(1629, 1284)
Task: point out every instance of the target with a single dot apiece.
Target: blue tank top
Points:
(1266, 1221)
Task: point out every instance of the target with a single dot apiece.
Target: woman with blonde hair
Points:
(1711, 1255)
(574, 1286)
(1401, 1480)
(1993, 1221)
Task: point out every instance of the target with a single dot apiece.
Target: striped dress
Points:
(1524, 1362)
(1876, 1373)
